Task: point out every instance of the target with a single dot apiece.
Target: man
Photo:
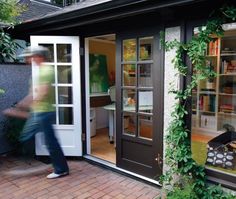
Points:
(42, 113)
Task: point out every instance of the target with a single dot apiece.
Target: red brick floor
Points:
(85, 181)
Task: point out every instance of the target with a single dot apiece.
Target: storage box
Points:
(208, 121)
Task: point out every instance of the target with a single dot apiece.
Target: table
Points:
(112, 117)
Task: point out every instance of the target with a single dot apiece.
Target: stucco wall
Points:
(14, 79)
(170, 78)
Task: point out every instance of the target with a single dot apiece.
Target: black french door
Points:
(139, 108)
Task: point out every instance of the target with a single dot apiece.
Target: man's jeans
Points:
(43, 122)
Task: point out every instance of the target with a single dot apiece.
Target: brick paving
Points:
(85, 181)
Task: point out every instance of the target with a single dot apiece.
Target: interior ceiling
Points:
(111, 37)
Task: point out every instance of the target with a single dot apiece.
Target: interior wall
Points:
(108, 49)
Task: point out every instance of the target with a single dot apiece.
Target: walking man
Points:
(42, 113)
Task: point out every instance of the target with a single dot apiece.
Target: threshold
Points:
(113, 167)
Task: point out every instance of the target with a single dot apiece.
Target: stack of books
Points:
(227, 108)
(213, 47)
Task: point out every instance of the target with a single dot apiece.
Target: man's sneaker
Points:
(56, 175)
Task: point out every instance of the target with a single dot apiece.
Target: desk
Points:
(112, 117)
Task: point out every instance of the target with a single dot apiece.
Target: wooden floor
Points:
(101, 147)
(201, 138)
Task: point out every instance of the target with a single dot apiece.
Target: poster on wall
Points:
(98, 77)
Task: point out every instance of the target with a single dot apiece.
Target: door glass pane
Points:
(51, 51)
(145, 75)
(129, 75)
(65, 95)
(129, 101)
(64, 74)
(129, 124)
(145, 101)
(53, 95)
(65, 115)
(145, 127)
(64, 53)
(146, 48)
(129, 50)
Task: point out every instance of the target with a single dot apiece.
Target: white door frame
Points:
(87, 95)
(69, 136)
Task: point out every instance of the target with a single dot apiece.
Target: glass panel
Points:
(53, 95)
(129, 75)
(53, 76)
(145, 127)
(129, 50)
(129, 124)
(65, 95)
(64, 74)
(129, 101)
(146, 48)
(51, 51)
(214, 109)
(145, 75)
(145, 102)
(66, 115)
(64, 53)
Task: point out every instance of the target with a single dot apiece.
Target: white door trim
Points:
(87, 95)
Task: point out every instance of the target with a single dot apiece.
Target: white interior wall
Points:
(102, 118)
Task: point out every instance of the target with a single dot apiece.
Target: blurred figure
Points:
(42, 114)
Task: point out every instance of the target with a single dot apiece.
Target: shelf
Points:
(207, 112)
(227, 74)
(228, 54)
(227, 114)
(227, 94)
(207, 92)
(211, 56)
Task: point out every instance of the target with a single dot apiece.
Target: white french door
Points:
(65, 59)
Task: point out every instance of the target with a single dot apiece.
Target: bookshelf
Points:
(214, 99)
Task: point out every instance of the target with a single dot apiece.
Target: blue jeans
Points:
(43, 122)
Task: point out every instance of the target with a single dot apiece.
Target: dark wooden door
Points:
(139, 107)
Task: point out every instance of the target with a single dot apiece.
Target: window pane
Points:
(145, 75)
(51, 51)
(65, 95)
(214, 109)
(129, 101)
(145, 101)
(129, 124)
(129, 50)
(145, 127)
(66, 115)
(64, 74)
(53, 95)
(129, 75)
(64, 53)
(146, 48)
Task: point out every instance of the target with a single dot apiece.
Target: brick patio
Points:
(85, 181)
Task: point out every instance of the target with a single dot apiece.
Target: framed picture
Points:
(98, 75)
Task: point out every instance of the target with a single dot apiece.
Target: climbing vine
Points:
(185, 178)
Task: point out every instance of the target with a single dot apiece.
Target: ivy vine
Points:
(185, 177)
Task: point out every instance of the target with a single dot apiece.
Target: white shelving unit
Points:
(214, 103)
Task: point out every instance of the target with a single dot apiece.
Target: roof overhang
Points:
(106, 11)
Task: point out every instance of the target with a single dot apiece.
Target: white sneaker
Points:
(56, 175)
